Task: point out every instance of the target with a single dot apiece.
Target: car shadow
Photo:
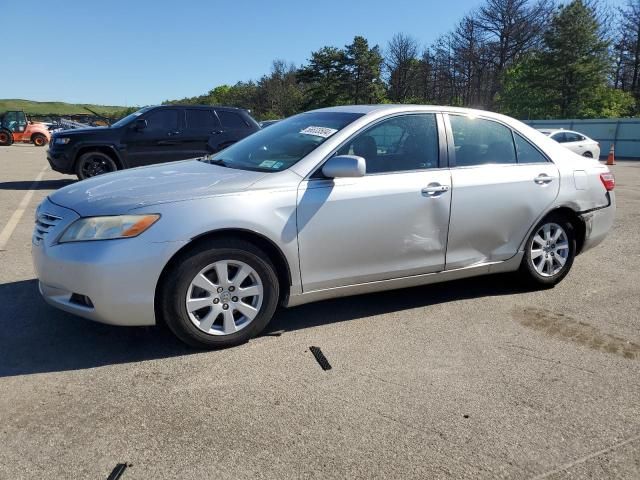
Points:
(41, 185)
(361, 306)
(37, 338)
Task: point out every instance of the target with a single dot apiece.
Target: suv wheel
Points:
(549, 251)
(91, 164)
(220, 294)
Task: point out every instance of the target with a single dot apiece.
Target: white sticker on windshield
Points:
(267, 164)
(324, 132)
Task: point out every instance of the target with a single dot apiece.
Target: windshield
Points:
(283, 144)
(124, 121)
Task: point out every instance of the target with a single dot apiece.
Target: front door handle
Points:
(167, 142)
(434, 189)
(543, 179)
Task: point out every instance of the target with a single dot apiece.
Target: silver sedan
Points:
(333, 202)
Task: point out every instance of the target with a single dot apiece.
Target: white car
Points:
(576, 142)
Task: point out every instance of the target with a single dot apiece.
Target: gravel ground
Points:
(471, 379)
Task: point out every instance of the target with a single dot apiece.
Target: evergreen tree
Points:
(325, 78)
(363, 67)
(569, 77)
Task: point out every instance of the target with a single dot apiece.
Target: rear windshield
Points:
(284, 144)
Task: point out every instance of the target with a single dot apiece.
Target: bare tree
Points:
(512, 27)
(399, 60)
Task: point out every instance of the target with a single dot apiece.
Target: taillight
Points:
(608, 180)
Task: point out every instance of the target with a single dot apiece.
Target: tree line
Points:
(531, 59)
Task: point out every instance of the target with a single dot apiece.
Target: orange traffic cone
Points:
(611, 159)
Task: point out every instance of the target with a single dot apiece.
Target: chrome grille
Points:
(44, 223)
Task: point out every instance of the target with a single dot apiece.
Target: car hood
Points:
(82, 131)
(118, 192)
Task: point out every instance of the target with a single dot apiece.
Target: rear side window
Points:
(162, 120)
(231, 120)
(573, 137)
(559, 137)
(479, 142)
(200, 119)
(527, 153)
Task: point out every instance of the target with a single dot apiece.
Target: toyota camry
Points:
(328, 203)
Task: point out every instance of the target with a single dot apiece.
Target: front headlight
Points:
(62, 140)
(106, 228)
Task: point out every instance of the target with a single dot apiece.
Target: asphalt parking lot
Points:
(472, 379)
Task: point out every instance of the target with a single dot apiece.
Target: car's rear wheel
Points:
(219, 294)
(587, 154)
(91, 164)
(6, 138)
(39, 140)
(549, 251)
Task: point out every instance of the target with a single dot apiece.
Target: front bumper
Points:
(59, 159)
(119, 277)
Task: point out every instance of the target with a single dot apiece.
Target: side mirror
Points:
(345, 166)
(140, 124)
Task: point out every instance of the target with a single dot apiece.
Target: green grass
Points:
(56, 108)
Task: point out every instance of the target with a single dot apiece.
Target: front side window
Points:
(162, 121)
(479, 142)
(284, 144)
(402, 143)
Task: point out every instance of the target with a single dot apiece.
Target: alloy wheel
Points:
(96, 166)
(549, 249)
(224, 297)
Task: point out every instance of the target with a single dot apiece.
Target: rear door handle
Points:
(434, 189)
(167, 142)
(543, 179)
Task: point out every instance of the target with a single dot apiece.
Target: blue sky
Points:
(142, 52)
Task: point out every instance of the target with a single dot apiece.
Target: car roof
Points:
(217, 107)
(366, 109)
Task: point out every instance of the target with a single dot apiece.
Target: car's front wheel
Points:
(91, 164)
(549, 251)
(219, 294)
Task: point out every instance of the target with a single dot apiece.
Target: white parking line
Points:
(11, 225)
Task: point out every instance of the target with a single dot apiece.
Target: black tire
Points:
(528, 269)
(587, 154)
(6, 138)
(39, 140)
(175, 287)
(91, 164)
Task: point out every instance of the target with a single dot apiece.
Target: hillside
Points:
(56, 108)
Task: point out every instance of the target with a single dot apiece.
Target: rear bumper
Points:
(598, 223)
(60, 160)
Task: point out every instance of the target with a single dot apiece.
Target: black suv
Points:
(151, 135)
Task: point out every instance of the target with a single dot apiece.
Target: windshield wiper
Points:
(216, 161)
